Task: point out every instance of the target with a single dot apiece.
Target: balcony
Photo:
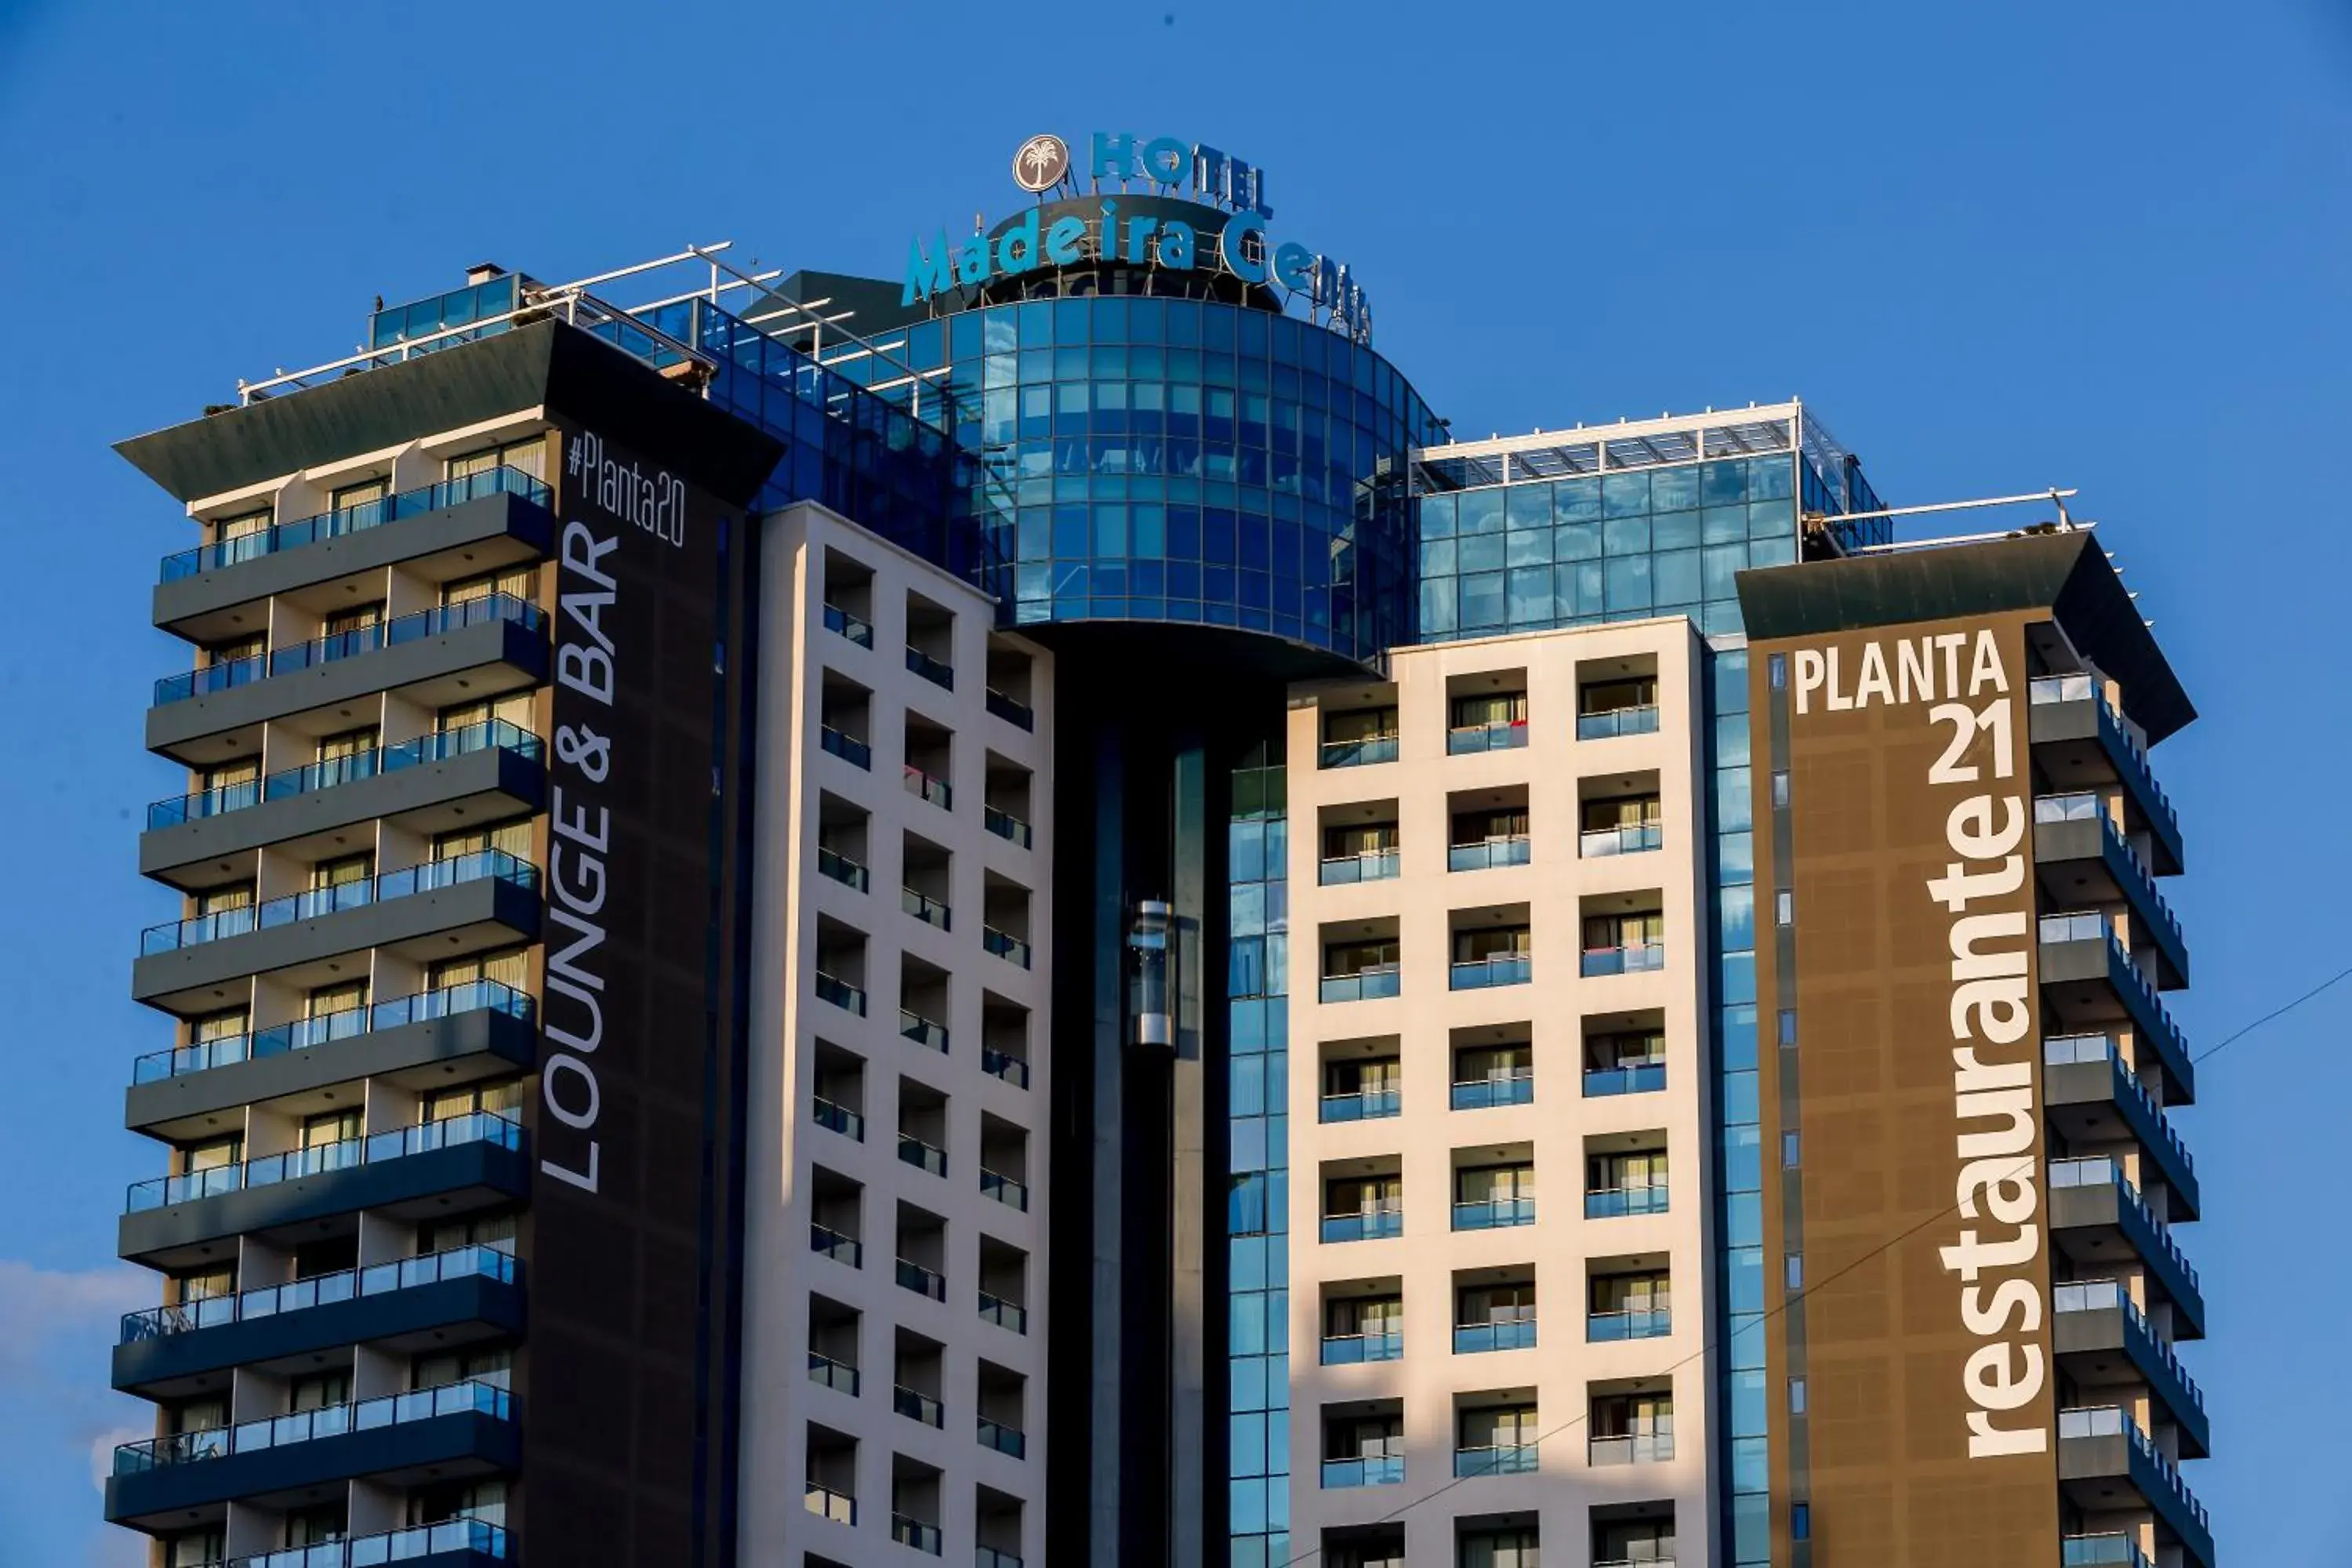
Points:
(938, 672)
(1604, 961)
(2076, 732)
(465, 1292)
(928, 787)
(502, 515)
(1629, 1077)
(1610, 1328)
(452, 1544)
(427, 650)
(490, 769)
(2073, 837)
(1488, 854)
(1498, 969)
(989, 1557)
(1359, 753)
(1616, 1203)
(922, 1031)
(1012, 709)
(459, 1162)
(1004, 1314)
(913, 1151)
(1013, 1194)
(1518, 1088)
(1641, 1448)
(1370, 1224)
(1005, 826)
(1478, 1339)
(1632, 839)
(467, 1428)
(841, 868)
(2090, 1094)
(2109, 1551)
(486, 898)
(1504, 735)
(1351, 1350)
(837, 1376)
(842, 1247)
(1498, 1459)
(1361, 1104)
(1494, 1214)
(1010, 1441)
(1005, 945)
(908, 1531)
(1005, 1065)
(922, 1282)
(437, 1038)
(1369, 866)
(1363, 986)
(916, 1405)
(925, 907)
(826, 1503)
(1367, 1470)
(2100, 1444)
(2093, 1321)
(840, 993)
(848, 628)
(2097, 1218)
(1614, 723)
(845, 746)
(2089, 980)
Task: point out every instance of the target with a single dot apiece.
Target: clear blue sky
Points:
(2000, 247)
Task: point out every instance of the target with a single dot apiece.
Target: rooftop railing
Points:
(284, 536)
(319, 902)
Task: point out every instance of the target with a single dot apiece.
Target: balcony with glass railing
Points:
(845, 746)
(1616, 1203)
(320, 1290)
(841, 868)
(1495, 1460)
(474, 1127)
(400, 630)
(840, 993)
(1495, 969)
(1365, 865)
(452, 1540)
(2077, 826)
(1637, 1449)
(493, 734)
(919, 1279)
(2131, 1217)
(1610, 723)
(1502, 736)
(1643, 1323)
(1629, 838)
(923, 1536)
(847, 626)
(1624, 1078)
(831, 1374)
(932, 911)
(2110, 1549)
(1012, 709)
(1358, 753)
(2080, 1302)
(938, 671)
(1489, 854)
(1010, 1441)
(2123, 751)
(927, 786)
(2157, 1479)
(304, 1034)
(1365, 1225)
(923, 1031)
(1350, 1350)
(1633, 958)
(279, 538)
(1005, 826)
(1363, 1470)
(1512, 1086)
(1494, 1214)
(917, 1405)
(1003, 1313)
(1004, 1189)
(477, 1396)
(991, 1557)
(839, 1245)
(913, 1151)
(826, 1503)
(1495, 1334)
(1005, 1065)
(1361, 985)
(1370, 1103)
(2139, 1110)
(316, 903)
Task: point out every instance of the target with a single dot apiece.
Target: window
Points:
(342, 871)
(1615, 696)
(213, 1026)
(1488, 826)
(1495, 1184)
(511, 837)
(206, 1284)
(1613, 1293)
(517, 707)
(1627, 811)
(1800, 1521)
(1477, 1306)
(228, 776)
(201, 1415)
(1793, 1270)
(365, 493)
(216, 1153)
(1641, 1168)
(497, 1230)
(328, 1127)
(529, 455)
(1789, 1027)
(1796, 1396)
(318, 1391)
(1373, 1316)
(1498, 1427)
(441, 1104)
(335, 1002)
(1603, 932)
(515, 582)
(350, 624)
(1365, 1076)
(1366, 838)
(1362, 1194)
(350, 744)
(236, 649)
(1788, 1150)
(1488, 711)
(1359, 957)
(1784, 907)
(196, 1548)
(222, 900)
(1780, 790)
(510, 968)
(1499, 942)
(445, 1367)
(484, 1500)
(1359, 724)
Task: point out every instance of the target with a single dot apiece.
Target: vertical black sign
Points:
(629, 1243)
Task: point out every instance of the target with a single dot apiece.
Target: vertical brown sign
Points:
(1910, 1377)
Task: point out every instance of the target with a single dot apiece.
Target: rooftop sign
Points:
(1091, 228)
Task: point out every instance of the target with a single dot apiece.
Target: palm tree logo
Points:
(1041, 163)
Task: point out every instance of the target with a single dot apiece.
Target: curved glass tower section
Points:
(1182, 461)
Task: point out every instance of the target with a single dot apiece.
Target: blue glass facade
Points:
(1180, 460)
(1257, 1185)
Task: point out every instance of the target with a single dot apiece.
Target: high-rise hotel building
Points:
(1019, 916)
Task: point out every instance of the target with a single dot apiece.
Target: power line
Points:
(1827, 1280)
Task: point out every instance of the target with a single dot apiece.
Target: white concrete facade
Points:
(1426, 1143)
(832, 1467)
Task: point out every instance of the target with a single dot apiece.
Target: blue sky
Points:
(1998, 248)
